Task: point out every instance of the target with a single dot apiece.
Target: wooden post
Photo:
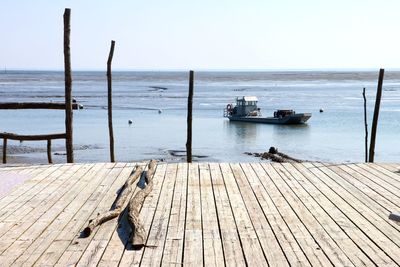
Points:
(366, 126)
(4, 150)
(376, 115)
(49, 151)
(109, 79)
(68, 86)
(189, 119)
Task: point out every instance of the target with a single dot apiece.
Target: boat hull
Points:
(299, 118)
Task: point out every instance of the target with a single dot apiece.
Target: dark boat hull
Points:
(290, 119)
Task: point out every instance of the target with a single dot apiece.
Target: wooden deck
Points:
(207, 215)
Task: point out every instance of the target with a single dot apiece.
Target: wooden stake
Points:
(4, 150)
(376, 115)
(366, 126)
(138, 237)
(68, 86)
(49, 151)
(189, 120)
(109, 79)
(119, 203)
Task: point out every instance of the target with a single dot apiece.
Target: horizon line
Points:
(199, 69)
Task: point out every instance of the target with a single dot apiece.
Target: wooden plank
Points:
(282, 200)
(116, 245)
(269, 243)
(368, 209)
(21, 206)
(313, 180)
(132, 257)
(381, 187)
(383, 250)
(375, 201)
(64, 205)
(173, 250)
(27, 210)
(250, 243)
(352, 182)
(395, 168)
(38, 174)
(338, 247)
(79, 207)
(69, 241)
(213, 252)
(233, 253)
(393, 177)
(256, 175)
(193, 244)
(153, 252)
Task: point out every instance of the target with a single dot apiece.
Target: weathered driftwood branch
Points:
(138, 236)
(276, 156)
(35, 105)
(109, 83)
(119, 203)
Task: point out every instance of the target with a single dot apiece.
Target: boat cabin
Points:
(245, 105)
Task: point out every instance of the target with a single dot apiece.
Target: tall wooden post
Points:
(189, 119)
(49, 151)
(4, 150)
(109, 79)
(366, 126)
(376, 115)
(68, 87)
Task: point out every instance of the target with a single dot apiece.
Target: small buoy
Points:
(159, 111)
(321, 110)
(73, 100)
(80, 106)
(130, 121)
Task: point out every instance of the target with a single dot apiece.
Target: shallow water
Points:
(335, 135)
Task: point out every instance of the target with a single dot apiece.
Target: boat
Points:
(246, 110)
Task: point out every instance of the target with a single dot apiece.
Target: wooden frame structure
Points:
(68, 106)
(41, 137)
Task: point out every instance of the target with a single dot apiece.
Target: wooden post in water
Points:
(189, 120)
(366, 126)
(4, 150)
(49, 151)
(376, 115)
(109, 79)
(68, 86)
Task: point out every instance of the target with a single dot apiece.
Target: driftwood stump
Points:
(120, 201)
(138, 237)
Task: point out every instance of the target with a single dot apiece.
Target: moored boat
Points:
(246, 110)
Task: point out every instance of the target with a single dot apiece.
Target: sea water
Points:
(156, 102)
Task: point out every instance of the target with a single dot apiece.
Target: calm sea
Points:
(336, 135)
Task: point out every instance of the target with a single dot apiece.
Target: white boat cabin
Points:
(245, 105)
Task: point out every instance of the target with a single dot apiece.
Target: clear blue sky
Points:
(207, 34)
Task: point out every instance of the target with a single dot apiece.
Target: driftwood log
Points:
(120, 202)
(138, 236)
(276, 156)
